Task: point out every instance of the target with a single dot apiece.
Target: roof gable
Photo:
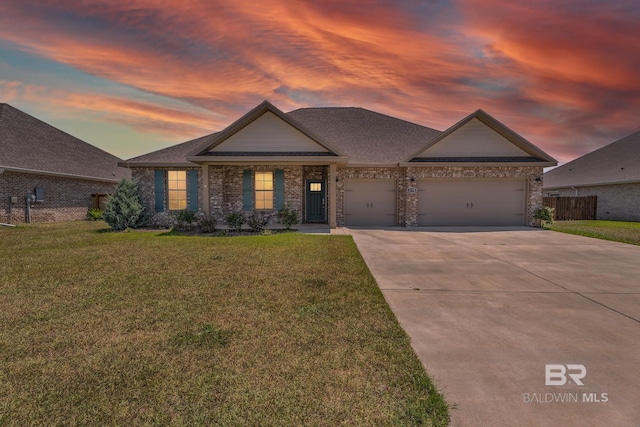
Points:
(264, 132)
(30, 145)
(615, 163)
(479, 138)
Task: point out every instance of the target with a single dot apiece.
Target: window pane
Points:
(315, 186)
(177, 189)
(264, 190)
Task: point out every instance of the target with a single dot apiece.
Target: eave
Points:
(57, 174)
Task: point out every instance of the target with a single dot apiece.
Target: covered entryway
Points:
(464, 202)
(370, 202)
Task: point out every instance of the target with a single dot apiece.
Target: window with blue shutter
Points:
(159, 190)
(279, 188)
(192, 189)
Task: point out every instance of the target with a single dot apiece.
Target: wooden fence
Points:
(568, 208)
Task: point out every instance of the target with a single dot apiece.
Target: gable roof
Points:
(532, 154)
(616, 163)
(206, 152)
(30, 145)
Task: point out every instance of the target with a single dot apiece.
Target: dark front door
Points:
(316, 195)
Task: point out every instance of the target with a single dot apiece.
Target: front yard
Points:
(619, 231)
(140, 328)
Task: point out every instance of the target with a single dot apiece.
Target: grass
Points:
(618, 231)
(140, 328)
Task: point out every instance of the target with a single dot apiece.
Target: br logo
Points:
(557, 374)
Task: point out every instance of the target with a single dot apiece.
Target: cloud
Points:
(563, 74)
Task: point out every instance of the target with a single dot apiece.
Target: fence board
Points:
(572, 208)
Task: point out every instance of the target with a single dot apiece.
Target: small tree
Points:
(124, 209)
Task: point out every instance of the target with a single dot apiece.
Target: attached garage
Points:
(370, 202)
(469, 202)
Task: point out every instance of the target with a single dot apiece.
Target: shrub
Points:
(545, 215)
(287, 217)
(95, 214)
(258, 221)
(124, 209)
(185, 220)
(235, 221)
(207, 224)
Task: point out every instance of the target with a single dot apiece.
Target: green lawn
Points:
(619, 231)
(140, 328)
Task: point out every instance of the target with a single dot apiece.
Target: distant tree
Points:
(123, 209)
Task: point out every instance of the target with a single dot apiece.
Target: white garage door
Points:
(471, 202)
(370, 202)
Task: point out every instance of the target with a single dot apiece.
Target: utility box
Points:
(39, 192)
(13, 199)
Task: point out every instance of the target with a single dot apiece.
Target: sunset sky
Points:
(138, 75)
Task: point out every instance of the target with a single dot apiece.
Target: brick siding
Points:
(65, 199)
(225, 184)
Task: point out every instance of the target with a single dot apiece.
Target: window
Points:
(315, 186)
(264, 190)
(177, 186)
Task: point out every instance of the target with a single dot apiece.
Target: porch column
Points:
(206, 203)
(332, 195)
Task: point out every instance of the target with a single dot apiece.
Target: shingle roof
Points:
(365, 136)
(171, 155)
(617, 162)
(27, 143)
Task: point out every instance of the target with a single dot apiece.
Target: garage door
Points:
(370, 202)
(471, 202)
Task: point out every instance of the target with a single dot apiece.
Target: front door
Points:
(316, 195)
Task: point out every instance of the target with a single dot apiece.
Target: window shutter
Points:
(192, 189)
(247, 190)
(279, 188)
(159, 190)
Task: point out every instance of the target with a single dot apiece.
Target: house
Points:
(350, 167)
(59, 172)
(612, 173)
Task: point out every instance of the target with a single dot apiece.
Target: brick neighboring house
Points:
(63, 170)
(612, 173)
(350, 167)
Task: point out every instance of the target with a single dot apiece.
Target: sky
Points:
(134, 76)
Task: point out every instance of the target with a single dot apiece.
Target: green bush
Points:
(186, 216)
(545, 215)
(124, 209)
(235, 221)
(287, 217)
(207, 224)
(95, 214)
(257, 221)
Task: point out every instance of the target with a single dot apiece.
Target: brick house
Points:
(64, 174)
(350, 167)
(612, 173)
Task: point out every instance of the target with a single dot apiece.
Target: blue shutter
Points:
(279, 188)
(192, 189)
(159, 190)
(247, 190)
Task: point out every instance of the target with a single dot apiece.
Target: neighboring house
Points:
(60, 171)
(350, 167)
(612, 173)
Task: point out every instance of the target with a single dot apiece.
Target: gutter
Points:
(56, 174)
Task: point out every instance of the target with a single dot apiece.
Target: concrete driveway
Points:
(488, 309)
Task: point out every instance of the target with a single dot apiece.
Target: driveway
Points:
(488, 309)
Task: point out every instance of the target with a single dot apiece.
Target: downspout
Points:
(28, 198)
